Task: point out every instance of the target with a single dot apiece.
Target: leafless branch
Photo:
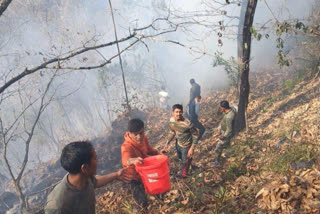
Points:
(275, 18)
(42, 107)
(62, 58)
(17, 118)
(107, 61)
(4, 5)
(59, 59)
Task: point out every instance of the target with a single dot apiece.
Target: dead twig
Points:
(180, 189)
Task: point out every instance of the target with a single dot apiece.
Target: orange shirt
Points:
(131, 149)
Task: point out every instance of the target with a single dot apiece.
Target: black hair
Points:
(75, 154)
(135, 125)
(177, 106)
(192, 81)
(225, 104)
(198, 97)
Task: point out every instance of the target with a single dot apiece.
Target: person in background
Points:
(186, 137)
(226, 131)
(195, 90)
(133, 150)
(194, 113)
(163, 98)
(75, 192)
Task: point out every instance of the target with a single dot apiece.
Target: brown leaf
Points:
(262, 191)
(185, 202)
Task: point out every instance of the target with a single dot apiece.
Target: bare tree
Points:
(244, 49)
(13, 82)
(10, 132)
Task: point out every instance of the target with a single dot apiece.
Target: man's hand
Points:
(133, 161)
(120, 171)
(190, 152)
(105, 179)
(164, 150)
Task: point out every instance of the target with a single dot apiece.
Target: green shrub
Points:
(250, 142)
(293, 153)
(290, 84)
(235, 170)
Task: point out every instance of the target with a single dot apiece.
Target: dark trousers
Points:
(138, 193)
(222, 144)
(185, 161)
(199, 126)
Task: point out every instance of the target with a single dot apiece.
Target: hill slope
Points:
(273, 166)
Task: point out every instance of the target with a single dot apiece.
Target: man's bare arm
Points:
(105, 179)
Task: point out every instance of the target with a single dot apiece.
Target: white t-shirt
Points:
(163, 96)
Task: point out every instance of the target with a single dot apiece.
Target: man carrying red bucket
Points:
(133, 150)
(186, 138)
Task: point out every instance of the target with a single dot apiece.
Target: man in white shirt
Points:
(164, 98)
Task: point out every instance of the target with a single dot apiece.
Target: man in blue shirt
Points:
(195, 90)
(194, 113)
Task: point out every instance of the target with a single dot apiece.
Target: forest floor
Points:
(272, 167)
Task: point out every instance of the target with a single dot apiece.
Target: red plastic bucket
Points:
(154, 173)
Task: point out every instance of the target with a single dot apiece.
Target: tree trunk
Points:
(244, 48)
(16, 182)
(23, 204)
(4, 5)
(120, 60)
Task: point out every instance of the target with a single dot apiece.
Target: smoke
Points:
(86, 101)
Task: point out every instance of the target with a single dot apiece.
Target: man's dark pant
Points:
(185, 161)
(222, 144)
(138, 193)
(199, 126)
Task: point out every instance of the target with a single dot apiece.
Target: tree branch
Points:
(107, 61)
(4, 5)
(30, 134)
(59, 59)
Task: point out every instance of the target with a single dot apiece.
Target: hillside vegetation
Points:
(270, 168)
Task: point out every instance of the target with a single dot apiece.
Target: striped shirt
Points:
(184, 131)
